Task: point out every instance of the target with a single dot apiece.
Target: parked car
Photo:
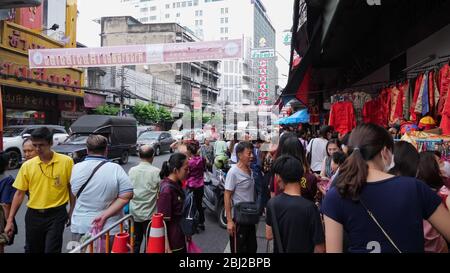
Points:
(13, 137)
(121, 133)
(160, 141)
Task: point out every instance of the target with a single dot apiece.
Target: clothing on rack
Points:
(444, 83)
(342, 117)
(373, 113)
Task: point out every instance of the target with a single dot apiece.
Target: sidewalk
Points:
(260, 238)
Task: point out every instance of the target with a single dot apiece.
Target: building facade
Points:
(202, 76)
(221, 20)
(36, 96)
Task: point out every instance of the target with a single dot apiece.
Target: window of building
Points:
(143, 19)
(167, 16)
(174, 5)
(222, 20)
(167, 6)
(190, 3)
(152, 18)
(222, 11)
(153, 8)
(178, 4)
(144, 9)
(225, 30)
(178, 14)
(183, 4)
(195, 2)
(226, 10)
(226, 20)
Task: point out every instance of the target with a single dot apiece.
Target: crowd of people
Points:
(359, 193)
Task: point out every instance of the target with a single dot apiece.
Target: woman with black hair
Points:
(406, 159)
(380, 212)
(332, 147)
(171, 199)
(429, 172)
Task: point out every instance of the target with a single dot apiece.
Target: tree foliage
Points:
(150, 114)
(107, 110)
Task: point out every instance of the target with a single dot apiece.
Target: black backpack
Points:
(190, 215)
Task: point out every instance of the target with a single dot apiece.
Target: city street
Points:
(213, 240)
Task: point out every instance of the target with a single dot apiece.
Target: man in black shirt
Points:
(299, 224)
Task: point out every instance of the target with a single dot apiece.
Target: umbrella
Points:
(301, 116)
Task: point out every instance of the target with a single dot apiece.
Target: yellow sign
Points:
(14, 69)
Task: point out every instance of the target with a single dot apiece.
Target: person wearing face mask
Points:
(332, 147)
(366, 202)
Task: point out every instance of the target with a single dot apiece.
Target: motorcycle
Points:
(214, 194)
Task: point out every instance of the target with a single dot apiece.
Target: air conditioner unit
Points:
(7, 4)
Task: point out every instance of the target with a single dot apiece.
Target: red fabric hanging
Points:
(342, 117)
(373, 112)
(416, 96)
(444, 84)
(385, 97)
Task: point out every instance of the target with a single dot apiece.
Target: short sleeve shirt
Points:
(399, 204)
(299, 223)
(241, 184)
(106, 185)
(48, 183)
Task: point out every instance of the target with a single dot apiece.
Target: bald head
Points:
(146, 153)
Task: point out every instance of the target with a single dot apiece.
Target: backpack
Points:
(190, 215)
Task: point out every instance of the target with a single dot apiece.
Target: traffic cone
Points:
(156, 239)
(120, 244)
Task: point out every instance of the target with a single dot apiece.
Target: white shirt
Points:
(106, 185)
(319, 152)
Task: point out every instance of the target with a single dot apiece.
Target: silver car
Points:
(160, 141)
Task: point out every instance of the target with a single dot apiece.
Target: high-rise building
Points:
(222, 20)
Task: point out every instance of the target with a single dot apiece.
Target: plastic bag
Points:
(99, 244)
(192, 247)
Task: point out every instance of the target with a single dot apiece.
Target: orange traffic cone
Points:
(156, 239)
(120, 244)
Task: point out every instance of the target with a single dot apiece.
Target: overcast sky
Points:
(280, 13)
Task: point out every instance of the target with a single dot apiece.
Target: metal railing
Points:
(90, 243)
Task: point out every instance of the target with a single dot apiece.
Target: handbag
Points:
(246, 213)
(379, 226)
(192, 247)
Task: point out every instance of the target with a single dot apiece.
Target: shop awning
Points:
(352, 39)
(301, 116)
(93, 100)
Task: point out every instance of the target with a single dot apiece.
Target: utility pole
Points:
(122, 90)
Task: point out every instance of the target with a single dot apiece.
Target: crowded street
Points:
(248, 127)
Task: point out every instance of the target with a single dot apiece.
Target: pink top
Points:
(434, 241)
(196, 169)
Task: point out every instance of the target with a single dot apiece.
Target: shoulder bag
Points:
(380, 227)
(90, 177)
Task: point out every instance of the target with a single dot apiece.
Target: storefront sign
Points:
(266, 53)
(15, 43)
(72, 115)
(30, 17)
(135, 54)
(93, 101)
(26, 100)
(263, 87)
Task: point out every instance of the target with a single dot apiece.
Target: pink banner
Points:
(135, 54)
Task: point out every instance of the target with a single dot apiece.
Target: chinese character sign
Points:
(263, 87)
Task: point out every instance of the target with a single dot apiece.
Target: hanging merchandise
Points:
(444, 83)
(342, 117)
(412, 112)
(357, 98)
(443, 86)
(373, 113)
(314, 115)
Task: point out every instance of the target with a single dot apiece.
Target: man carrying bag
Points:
(240, 191)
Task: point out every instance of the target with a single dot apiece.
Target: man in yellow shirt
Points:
(47, 178)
